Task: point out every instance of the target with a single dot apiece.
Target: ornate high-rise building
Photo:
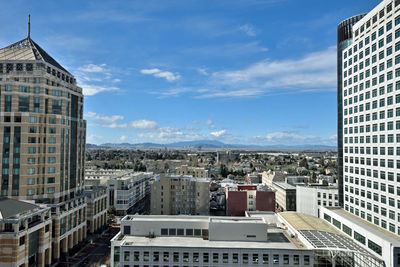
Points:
(42, 144)
(42, 140)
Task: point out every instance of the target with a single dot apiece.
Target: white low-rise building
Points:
(127, 188)
(204, 241)
(309, 197)
(259, 239)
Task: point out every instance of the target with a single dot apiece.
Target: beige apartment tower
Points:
(178, 194)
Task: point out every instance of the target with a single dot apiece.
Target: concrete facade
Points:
(310, 197)
(203, 241)
(196, 172)
(127, 189)
(173, 194)
(285, 196)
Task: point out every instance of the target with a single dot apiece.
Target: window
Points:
(165, 257)
(265, 259)
(205, 257)
(360, 238)
(245, 258)
(347, 230)
(296, 259)
(185, 257)
(176, 256)
(225, 258)
(276, 259)
(50, 190)
(375, 247)
(306, 260)
(286, 259)
(23, 104)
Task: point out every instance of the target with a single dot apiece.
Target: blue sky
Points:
(237, 71)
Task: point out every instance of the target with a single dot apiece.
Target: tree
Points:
(223, 171)
(111, 214)
(303, 163)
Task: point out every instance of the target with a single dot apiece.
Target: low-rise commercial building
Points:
(204, 241)
(178, 194)
(261, 238)
(285, 196)
(242, 198)
(310, 197)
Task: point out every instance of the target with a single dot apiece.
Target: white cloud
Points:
(138, 124)
(92, 68)
(233, 93)
(218, 133)
(95, 78)
(174, 92)
(293, 138)
(202, 71)
(248, 29)
(103, 118)
(91, 89)
(169, 76)
(123, 138)
(144, 124)
(333, 137)
(313, 71)
(94, 139)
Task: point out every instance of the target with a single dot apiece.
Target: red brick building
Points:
(248, 198)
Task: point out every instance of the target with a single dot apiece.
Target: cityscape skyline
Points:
(212, 61)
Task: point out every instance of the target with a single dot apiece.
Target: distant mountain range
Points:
(203, 144)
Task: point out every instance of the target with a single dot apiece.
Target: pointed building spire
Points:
(29, 26)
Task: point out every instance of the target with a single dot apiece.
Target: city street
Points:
(94, 253)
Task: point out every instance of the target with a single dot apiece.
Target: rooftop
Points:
(284, 185)
(27, 49)
(301, 222)
(196, 242)
(367, 225)
(11, 208)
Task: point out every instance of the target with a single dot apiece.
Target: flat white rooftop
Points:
(195, 242)
(392, 238)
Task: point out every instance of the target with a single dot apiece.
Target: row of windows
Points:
(30, 171)
(373, 162)
(373, 116)
(374, 138)
(357, 236)
(10, 67)
(36, 90)
(372, 151)
(386, 10)
(373, 219)
(369, 105)
(368, 94)
(375, 196)
(196, 257)
(383, 126)
(362, 171)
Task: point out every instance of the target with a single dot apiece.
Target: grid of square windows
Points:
(371, 119)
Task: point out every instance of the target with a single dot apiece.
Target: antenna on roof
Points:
(29, 26)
